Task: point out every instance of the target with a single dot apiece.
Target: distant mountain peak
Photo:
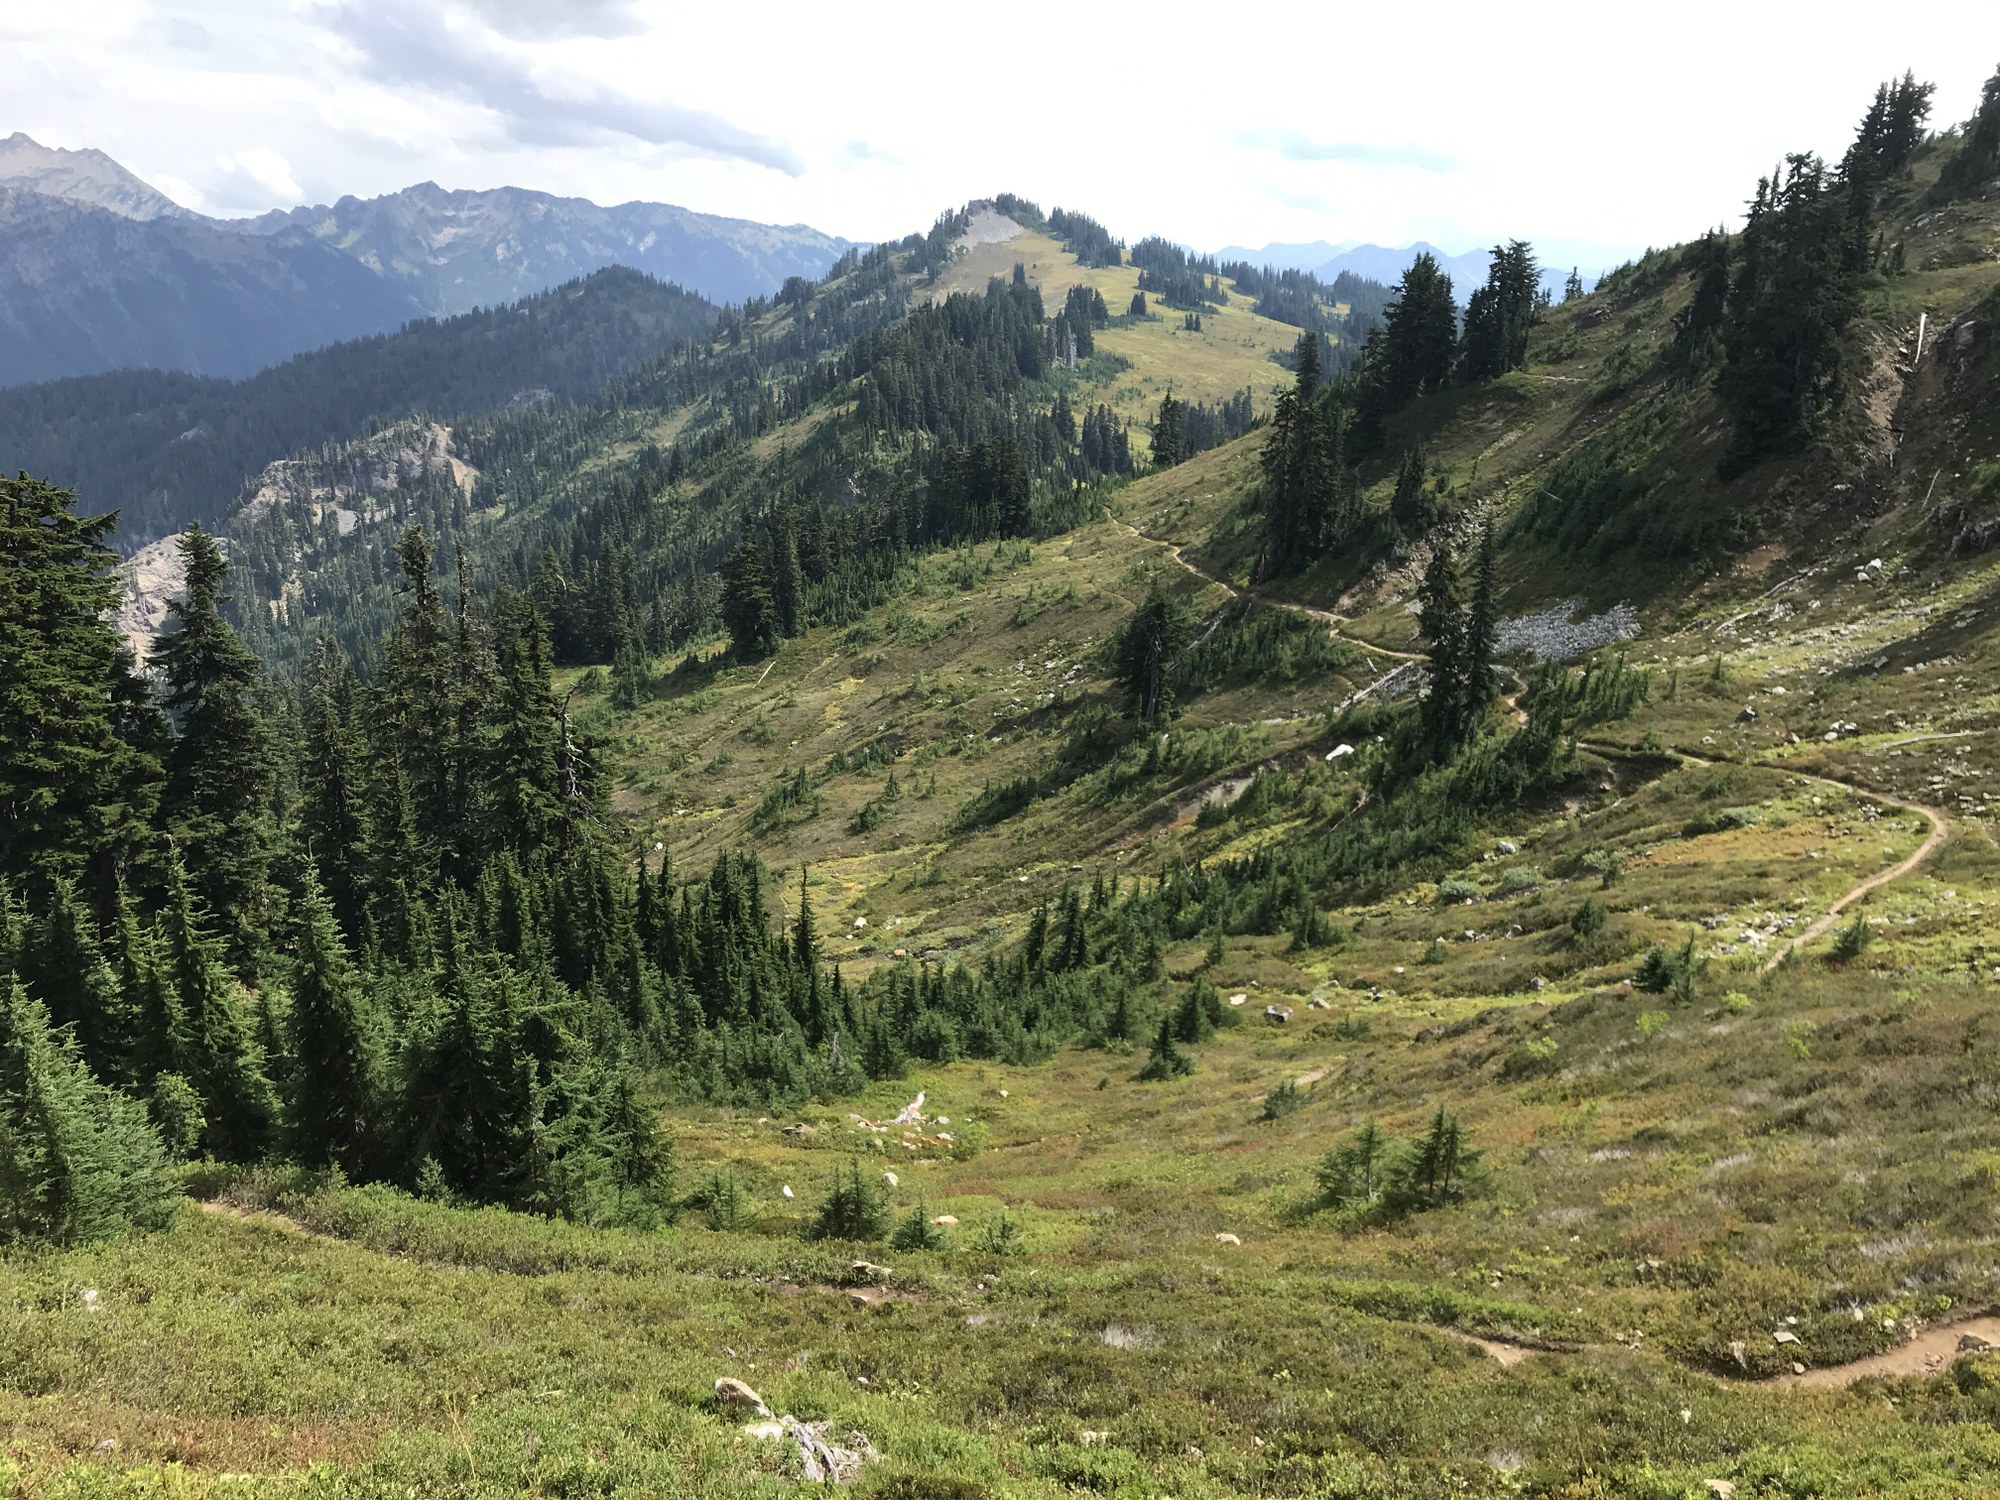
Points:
(88, 177)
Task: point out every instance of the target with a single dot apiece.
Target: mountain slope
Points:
(100, 272)
(84, 290)
(166, 448)
(86, 177)
(454, 251)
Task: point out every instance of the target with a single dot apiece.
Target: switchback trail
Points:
(1823, 924)
(1326, 617)
(1940, 829)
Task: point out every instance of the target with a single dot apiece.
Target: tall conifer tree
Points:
(220, 771)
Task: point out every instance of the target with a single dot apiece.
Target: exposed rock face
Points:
(88, 177)
(154, 578)
(358, 486)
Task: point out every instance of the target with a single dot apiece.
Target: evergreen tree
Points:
(147, 993)
(526, 793)
(1890, 132)
(333, 790)
(411, 725)
(1167, 450)
(469, 1098)
(1441, 620)
(1976, 162)
(1072, 941)
(1789, 307)
(1572, 286)
(1309, 496)
(853, 1209)
(1147, 645)
(78, 1160)
(1165, 1061)
(1196, 1015)
(472, 690)
(217, 800)
(63, 965)
(747, 607)
(79, 738)
(917, 1232)
(1500, 314)
(339, 1075)
(1436, 1170)
(1707, 264)
(1412, 351)
(1481, 629)
(1354, 1173)
(1413, 505)
(213, 1045)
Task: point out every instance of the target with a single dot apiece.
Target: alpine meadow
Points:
(644, 853)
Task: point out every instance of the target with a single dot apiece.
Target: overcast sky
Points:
(1593, 129)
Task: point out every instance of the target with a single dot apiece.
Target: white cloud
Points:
(1586, 126)
(266, 168)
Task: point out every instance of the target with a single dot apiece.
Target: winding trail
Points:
(1940, 823)
(1327, 617)
(1940, 831)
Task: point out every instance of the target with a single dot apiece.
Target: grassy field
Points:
(1232, 352)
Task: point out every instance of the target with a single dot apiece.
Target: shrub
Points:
(1001, 1236)
(1604, 863)
(1588, 921)
(968, 1139)
(1850, 942)
(1531, 1059)
(852, 1210)
(1456, 889)
(723, 1202)
(1283, 1100)
(917, 1232)
(1519, 878)
(1166, 1061)
(1673, 974)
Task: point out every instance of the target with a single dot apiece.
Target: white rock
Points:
(732, 1392)
(891, 1179)
(1227, 1239)
(786, 1190)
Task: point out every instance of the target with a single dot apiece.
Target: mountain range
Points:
(100, 271)
(1383, 263)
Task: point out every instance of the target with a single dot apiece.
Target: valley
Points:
(1086, 888)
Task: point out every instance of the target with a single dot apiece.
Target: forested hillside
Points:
(164, 448)
(1097, 871)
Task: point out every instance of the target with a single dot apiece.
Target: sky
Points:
(1593, 130)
